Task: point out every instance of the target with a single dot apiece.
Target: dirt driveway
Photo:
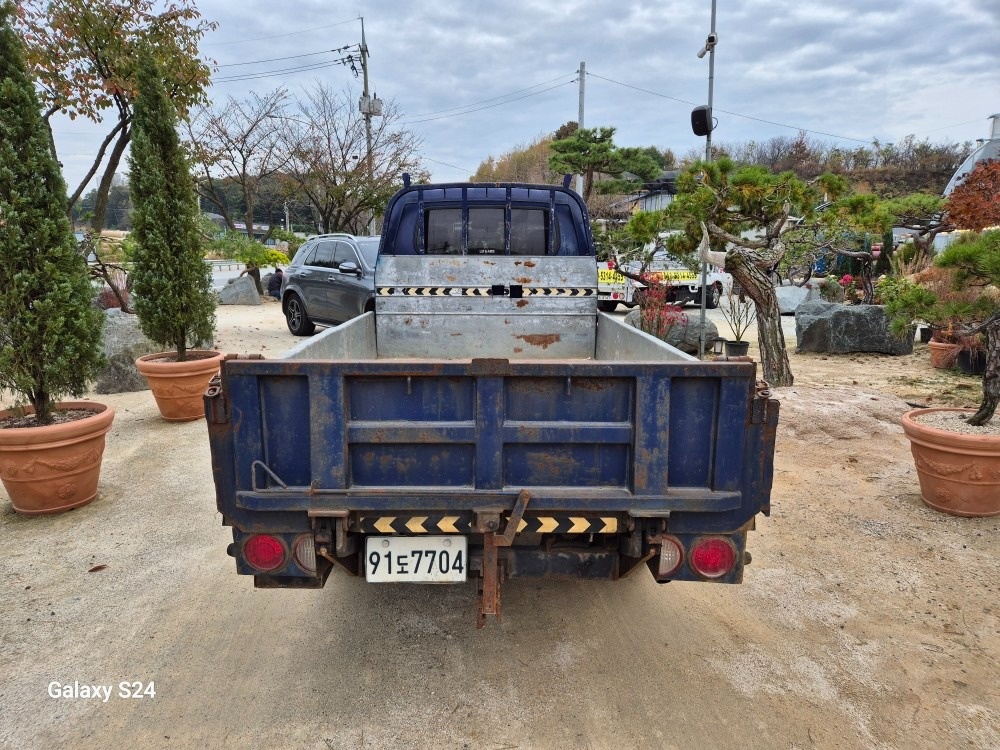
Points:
(866, 620)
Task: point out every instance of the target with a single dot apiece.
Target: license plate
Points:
(609, 276)
(416, 559)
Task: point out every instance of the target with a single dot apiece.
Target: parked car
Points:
(331, 279)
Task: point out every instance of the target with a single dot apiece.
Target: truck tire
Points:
(296, 318)
(713, 297)
(607, 306)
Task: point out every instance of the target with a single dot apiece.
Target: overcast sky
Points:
(849, 71)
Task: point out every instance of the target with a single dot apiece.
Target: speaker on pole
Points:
(701, 120)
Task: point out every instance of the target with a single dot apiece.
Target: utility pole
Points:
(369, 107)
(582, 75)
(709, 47)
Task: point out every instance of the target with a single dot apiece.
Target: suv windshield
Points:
(369, 249)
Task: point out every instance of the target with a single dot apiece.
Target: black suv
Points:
(331, 279)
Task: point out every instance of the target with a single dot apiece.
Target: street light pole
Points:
(710, 48)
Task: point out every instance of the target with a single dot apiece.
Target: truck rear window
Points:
(529, 232)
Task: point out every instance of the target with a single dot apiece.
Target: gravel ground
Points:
(866, 620)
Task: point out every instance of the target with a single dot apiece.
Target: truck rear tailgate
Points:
(642, 438)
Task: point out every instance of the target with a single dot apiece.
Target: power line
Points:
(271, 73)
(292, 57)
(279, 36)
(954, 125)
(734, 114)
(494, 98)
(446, 164)
(489, 106)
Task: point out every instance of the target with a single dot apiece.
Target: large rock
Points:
(239, 291)
(683, 337)
(123, 344)
(840, 329)
(791, 296)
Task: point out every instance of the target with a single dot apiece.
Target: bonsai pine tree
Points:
(50, 333)
(172, 284)
(976, 259)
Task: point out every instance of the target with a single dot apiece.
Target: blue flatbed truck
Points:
(486, 421)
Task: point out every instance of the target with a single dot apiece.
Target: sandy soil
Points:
(866, 620)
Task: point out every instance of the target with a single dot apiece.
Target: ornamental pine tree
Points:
(172, 284)
(50, 332)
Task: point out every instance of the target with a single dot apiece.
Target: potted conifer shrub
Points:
(957, 451)
(50, 333)
(172, 284)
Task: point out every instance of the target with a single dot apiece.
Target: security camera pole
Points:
(710, 49)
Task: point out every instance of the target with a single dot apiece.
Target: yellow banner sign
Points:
(673, 276)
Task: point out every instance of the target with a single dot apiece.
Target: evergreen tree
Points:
(172, 283)
(50, 333)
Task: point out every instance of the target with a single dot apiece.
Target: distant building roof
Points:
(988, 149)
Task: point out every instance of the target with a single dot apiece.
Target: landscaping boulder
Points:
(683, 337)
(791, 296)
(239, 291)
(123, 344)
(840, 329)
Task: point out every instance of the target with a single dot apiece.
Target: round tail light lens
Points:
(305, 553)
(713, 558)
(264, 552)
(671, 556)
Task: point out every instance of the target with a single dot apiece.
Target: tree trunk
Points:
(991, 378)
(773, 355)
(101, 205)
(867, 288)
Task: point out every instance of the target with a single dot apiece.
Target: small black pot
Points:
(925, 334)
(737, 348)
(971, 362)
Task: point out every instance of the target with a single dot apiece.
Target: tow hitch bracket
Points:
(490, 586)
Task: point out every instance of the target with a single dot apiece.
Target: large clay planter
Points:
(943, 355)
(959, 473)
(178, 387)
(56, 467)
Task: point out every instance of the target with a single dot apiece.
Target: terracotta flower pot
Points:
(56, 467)
(959, 473)
(943, 355)
(178, 387)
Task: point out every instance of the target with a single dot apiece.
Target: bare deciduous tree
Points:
(328, 167)
(242, 143)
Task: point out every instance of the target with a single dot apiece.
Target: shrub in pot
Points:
(172, 284)
(959, 471)
(50, 331)
(739, 313)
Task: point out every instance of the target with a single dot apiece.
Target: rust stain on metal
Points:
(529, 264)
(523, 279)
(456, 334)
(522, 302)
(544, 340)
(518, 350)
(451, 278)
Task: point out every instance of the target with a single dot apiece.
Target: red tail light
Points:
(264, 552)
(611, 264)
(713, 558)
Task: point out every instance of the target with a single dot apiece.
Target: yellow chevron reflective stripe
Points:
(610, 526)
(447, 524)
(384, 524)
(416, 525)
(547, 525)
(579, 526)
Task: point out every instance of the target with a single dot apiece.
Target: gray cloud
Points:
(854, 69)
